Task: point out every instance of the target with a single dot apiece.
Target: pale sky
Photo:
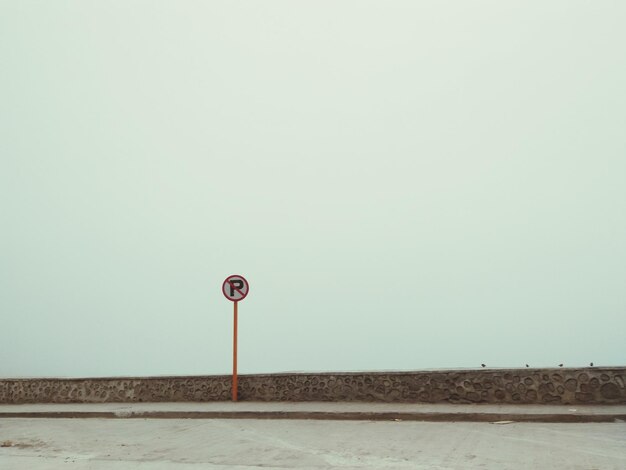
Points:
(405, 184)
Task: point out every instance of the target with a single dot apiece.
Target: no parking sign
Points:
(235, 288)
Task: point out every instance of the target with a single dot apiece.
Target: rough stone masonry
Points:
(596, 385)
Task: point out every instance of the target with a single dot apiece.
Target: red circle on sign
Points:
(243, 290)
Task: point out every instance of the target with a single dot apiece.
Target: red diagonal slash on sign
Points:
(233, 287)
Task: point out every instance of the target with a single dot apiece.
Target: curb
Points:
(337, 416)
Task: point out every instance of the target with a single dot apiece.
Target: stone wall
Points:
(535, 386)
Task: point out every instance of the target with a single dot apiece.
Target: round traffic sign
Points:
(235, 288)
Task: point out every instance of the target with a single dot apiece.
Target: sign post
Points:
(235, 288)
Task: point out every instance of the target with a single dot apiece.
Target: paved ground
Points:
(157, 444)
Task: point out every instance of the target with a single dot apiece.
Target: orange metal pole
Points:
(235, 354)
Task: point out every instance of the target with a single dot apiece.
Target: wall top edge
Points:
(329, 374)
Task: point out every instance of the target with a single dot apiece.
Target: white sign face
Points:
(235, 288)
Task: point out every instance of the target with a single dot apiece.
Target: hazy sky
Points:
(405, 184)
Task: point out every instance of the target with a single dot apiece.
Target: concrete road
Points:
(155, 444)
